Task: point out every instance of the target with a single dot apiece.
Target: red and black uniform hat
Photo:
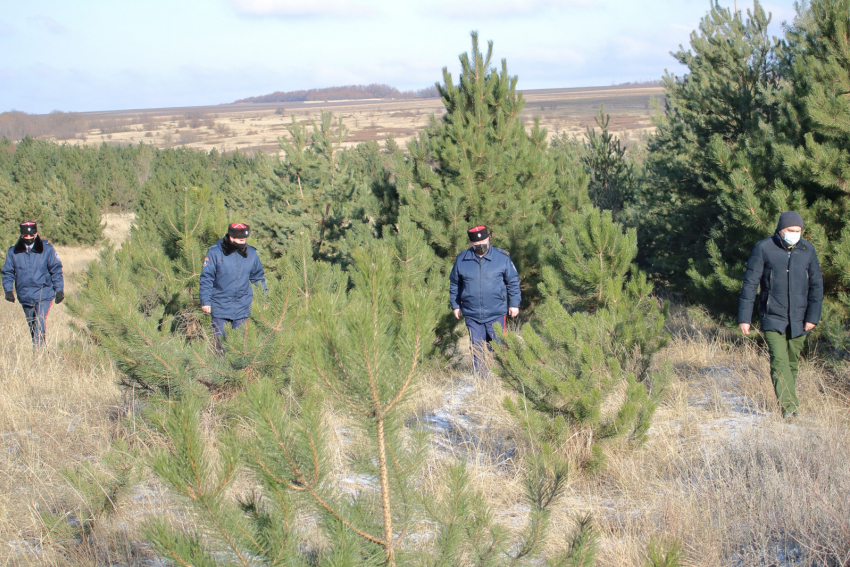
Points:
(478, 233)
(238, 230)
(28, 228)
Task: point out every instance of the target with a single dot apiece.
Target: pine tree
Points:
(318, 189)
(140, 304)
(478, 165)
(612, 177)
(818, 160)
(724, 112)
(795, 160)
(80, 223)
(592, 344)
(10, 212)
(571, 179)
(364, 347)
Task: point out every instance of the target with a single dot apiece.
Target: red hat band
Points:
(478, 233)
(238, 230)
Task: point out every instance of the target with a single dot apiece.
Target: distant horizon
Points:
(238, 102)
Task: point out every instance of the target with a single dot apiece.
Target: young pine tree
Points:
(362, 353)
(583, 367)
(612, 176)
(808, 173)
(140, 304)
(318, 189)
(479, 165)
(818, 159)
(727, 100)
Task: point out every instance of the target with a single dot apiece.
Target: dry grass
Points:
(722, 473)
(255, 127)
(57, 409)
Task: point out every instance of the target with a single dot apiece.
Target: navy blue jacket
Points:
(36, 275)
(791, 286)
(483, 288)
(226, 280)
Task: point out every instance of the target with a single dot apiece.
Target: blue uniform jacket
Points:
(483, 288)
(36, 275)
(226, 280)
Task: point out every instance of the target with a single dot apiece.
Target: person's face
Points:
(239, 241)
(481, 246)
(791, 229)
(29, 238)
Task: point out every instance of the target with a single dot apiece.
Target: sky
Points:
(90, 55)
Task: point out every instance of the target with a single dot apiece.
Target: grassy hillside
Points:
(721, 473)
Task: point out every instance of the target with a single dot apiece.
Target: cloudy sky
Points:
(116, 54)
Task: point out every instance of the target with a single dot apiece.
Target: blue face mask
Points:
(791, 238)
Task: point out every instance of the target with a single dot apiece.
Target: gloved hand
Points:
(10, 296)
(60, 297)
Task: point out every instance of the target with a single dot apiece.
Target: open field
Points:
(721, 473)
(252, 127)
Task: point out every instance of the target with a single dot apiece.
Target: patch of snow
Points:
(25, 547)
(357, 483)
(457, 427)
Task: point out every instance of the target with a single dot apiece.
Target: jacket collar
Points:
(228, 248)
(785, 246)
(37, 247)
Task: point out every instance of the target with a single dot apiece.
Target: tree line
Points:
(349, 92)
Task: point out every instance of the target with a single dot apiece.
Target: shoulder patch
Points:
(505, 252)
(206, 261)
(46, 241)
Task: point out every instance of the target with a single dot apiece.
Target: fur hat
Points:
(238, 230)
(478, 233)
(28, 228)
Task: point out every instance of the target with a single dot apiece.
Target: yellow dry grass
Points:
(116, 229)
(251, 127)
(57, 409)
(721, 472)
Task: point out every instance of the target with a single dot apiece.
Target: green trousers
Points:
(784, 361)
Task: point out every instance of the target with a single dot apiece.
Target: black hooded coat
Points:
(791, 286)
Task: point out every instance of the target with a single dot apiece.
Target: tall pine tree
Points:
(479, 165)
(717, 116)
(362, 353)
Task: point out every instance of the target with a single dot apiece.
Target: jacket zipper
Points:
(788, 276)
(480, 287)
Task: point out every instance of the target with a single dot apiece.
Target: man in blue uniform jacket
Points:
(230, 268)
(34, 270)
(485, 289)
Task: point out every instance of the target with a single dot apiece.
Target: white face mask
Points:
(791, 238)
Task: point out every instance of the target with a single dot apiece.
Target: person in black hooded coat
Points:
(787, 270)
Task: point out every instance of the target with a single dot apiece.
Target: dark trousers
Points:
(784, 361)
(37, 321)
(219, 329)
(480, 336)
